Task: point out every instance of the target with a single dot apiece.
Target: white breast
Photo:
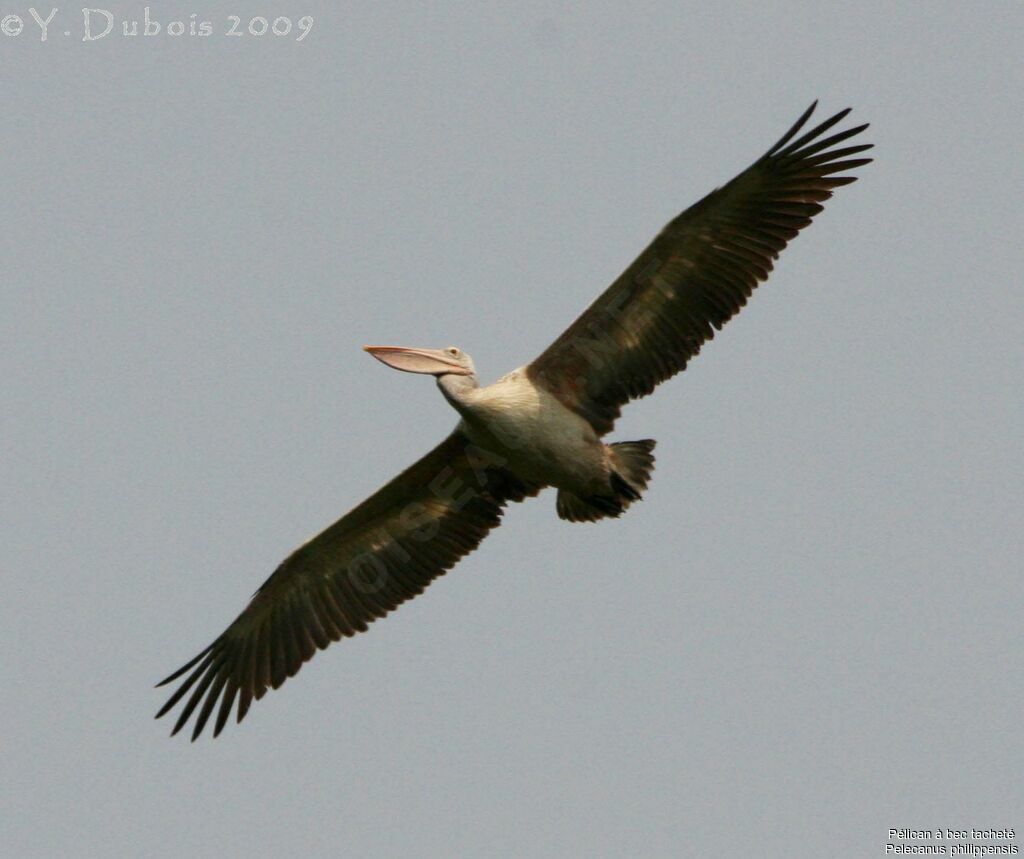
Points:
(542, 439)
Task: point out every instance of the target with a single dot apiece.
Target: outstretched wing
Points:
(694, 276)
(385, 551)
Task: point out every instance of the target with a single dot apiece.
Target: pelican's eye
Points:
(453, 351)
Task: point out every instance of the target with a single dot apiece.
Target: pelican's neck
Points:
(458, 390)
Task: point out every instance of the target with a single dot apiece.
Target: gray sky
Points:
(807, 633)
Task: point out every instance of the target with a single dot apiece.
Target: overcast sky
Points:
(807, 633)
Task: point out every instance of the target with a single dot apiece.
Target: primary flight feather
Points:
(540, 425)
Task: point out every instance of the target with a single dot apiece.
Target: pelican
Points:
(539, 426)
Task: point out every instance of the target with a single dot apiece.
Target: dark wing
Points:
(694, 276)
(385, 551)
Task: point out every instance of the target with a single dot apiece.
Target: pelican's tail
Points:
(632, 464)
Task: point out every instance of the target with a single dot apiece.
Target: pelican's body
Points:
(540, 425)
(539, 438)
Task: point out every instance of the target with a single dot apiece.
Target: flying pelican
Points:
(541, 425)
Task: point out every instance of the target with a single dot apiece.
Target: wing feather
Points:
(387, 550)
(695, 275)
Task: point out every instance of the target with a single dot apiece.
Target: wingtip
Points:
(191, 663)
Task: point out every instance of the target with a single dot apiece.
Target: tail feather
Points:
(623, 488)
(632, 464)
(572, 508)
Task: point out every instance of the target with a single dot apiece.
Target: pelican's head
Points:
(436, 362)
